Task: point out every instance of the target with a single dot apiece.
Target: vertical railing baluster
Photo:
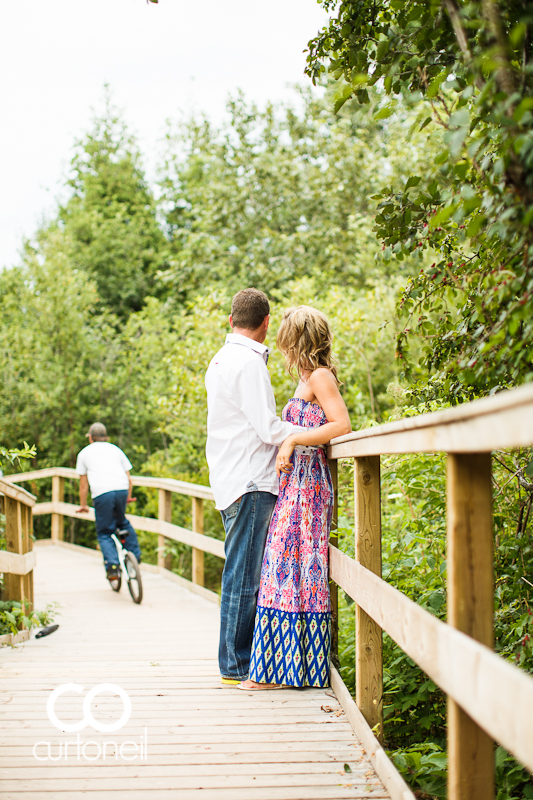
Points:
(471, 610)
(368, 634)
(58, 496)
(198, 576)
(164, 513)
(333, 588)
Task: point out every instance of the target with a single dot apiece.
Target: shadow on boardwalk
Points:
(203, 740)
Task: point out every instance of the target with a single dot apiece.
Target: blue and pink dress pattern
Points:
(292, 633)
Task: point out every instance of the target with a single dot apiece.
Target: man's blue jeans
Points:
(246, 524)
(109, 509)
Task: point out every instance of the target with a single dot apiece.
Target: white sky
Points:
(160, 60)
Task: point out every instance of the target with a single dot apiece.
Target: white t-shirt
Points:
(105, 466)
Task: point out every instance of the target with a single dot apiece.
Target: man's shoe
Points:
(112, 571)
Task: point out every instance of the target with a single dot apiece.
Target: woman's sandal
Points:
(261, 687)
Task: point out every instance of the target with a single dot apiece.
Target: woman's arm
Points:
(324, 386)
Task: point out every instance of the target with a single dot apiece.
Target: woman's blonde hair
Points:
(305, 339)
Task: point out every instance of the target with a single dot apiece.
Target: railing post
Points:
(333, 588)
(164, 513)
(198, 555)
(18, 540)
(368, 634)
(58, 496)
(471, 610)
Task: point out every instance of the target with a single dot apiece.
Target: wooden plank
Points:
(168, 484)
(471, 610)
(491, 423)
(496, 694)
(164, 514)
(13, 584)
(17, 563)
(368, 636)
(58, 496)
(172, 485)
(112, 769)
(333, 590)
(389, 775)
(38, 474)
(205, 782)
(198, 555)
(338, 792)
(206, 543)
(16, 492)
(27, 511)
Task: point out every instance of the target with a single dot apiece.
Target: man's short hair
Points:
(98, 432)
(249, 307)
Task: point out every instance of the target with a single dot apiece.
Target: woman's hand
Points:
(283, 460)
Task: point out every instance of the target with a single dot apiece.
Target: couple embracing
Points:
(276, 505)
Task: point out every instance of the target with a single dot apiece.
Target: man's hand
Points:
(131, 500)
(83, 510)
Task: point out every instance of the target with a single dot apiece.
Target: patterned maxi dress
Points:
(292, 632)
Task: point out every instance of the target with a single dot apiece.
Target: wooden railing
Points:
(489, 699)
(162, 526)
(18, 559)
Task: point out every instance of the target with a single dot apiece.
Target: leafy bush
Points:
(13, 616)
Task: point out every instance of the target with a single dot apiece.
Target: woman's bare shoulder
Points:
(322, 377)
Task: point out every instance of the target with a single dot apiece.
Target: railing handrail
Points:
(149, 482)
(490, 423)
(458, 656)
(16, 493)
(162, 526)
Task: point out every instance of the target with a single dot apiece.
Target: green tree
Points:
(276, 195)
(52, 349)
(110, 219)
(468, 67)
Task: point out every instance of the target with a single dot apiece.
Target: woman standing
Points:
(292, 633)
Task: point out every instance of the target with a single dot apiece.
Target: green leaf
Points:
(383, 49)
(413, 180)
(442, 215)
(347, 768)
(434, 86)
(385, 112)
(475, 225)
(525, 105)
(529, 470)
(341, 95)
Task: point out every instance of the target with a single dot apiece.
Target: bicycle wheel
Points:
(134, 572)
(116, 583)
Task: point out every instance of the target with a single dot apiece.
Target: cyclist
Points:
(105, 469)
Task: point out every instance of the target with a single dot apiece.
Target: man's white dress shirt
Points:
(243, 430)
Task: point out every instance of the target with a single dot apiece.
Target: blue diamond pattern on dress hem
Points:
(291, 647)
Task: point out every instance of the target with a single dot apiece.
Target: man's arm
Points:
(254, 396)
(84, 491)
(130, 489)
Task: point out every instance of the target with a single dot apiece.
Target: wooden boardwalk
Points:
(203, 740)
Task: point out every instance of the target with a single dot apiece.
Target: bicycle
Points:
(129, 567)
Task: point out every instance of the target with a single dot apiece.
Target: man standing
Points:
(243, 433)
(104, 468)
